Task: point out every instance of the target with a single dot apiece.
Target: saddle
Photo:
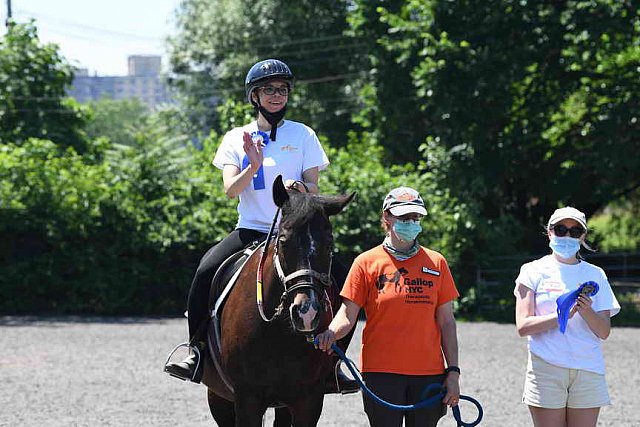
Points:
(227, 271)
(221, 285)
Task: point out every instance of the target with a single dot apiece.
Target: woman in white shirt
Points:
(565, 384)
(251, 157)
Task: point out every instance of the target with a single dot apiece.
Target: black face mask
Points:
(272, 118)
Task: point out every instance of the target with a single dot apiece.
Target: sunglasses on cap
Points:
(561, 230)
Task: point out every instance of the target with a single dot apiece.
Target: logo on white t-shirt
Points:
(552, 286)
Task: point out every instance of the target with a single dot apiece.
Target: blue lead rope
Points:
(566, 301)
(425, 402)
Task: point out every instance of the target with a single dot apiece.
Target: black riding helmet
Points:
(268, 69)
(260, 73)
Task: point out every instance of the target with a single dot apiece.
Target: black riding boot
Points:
(338, 382)
(188, 369)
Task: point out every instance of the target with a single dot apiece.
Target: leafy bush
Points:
(118, 237)
(361, 167)
(629, 310)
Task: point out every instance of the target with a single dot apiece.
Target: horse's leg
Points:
(249, 410)
(306, 411)
(282, 417)
(221, 410)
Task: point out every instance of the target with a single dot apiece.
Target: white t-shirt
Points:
(578, 347)
(295, 150)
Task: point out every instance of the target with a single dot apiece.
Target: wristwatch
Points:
(452, 369)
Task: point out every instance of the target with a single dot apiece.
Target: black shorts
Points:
(401, 390)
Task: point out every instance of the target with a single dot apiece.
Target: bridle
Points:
(311, 279)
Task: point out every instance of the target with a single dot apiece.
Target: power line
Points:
(67, 23)
(157, 44)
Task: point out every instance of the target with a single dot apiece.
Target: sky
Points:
(99, 35)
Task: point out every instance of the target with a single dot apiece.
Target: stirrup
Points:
(193, 348)
(336, 372)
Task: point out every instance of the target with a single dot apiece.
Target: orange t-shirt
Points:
(400, 299)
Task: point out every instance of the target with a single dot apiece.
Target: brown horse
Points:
(266, 359)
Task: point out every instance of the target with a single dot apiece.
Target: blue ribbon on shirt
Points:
(568, 299)
(258, 177)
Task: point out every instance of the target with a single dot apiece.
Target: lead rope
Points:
(425, 402)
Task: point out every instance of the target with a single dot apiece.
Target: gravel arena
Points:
(108, 372)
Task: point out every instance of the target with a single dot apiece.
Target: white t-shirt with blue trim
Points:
(295, 150)
(578, 347)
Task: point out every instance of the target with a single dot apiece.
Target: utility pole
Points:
(8, 13)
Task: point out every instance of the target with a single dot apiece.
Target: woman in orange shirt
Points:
(406, 291)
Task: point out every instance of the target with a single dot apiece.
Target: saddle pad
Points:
(220, 288)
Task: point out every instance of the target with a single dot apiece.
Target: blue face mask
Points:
(407, 230)
(564, 247)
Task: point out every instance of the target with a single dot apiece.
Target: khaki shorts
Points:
(553, 387)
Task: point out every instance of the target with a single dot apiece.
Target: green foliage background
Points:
(496, 111)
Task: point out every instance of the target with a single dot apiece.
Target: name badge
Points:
(430, 271)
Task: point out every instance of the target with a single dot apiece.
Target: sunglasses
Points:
(408, 217)
(271, 90)
(562, 230)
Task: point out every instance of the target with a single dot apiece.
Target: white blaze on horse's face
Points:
(304, 311)
(312, 245)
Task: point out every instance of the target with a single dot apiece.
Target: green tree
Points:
(616, 228)
(33, 80)
(391, 113)
(358, 228)
(534, 103)
(119, 234)
(118, 120)
(218, 41)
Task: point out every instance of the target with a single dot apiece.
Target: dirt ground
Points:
(108, 372)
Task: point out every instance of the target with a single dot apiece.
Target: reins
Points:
(263, 257)
(425, 402)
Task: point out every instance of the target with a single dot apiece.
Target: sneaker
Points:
(184, 370)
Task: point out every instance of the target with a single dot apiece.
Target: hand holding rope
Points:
(425, 401)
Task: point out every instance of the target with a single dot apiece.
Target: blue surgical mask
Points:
(564, 247)
(407, 230)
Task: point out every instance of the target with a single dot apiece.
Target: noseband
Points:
(309, 274)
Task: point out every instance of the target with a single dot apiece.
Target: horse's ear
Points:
(280, 195)
(335, 204)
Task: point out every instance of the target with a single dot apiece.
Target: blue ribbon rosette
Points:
(258, 178)
(566, 301)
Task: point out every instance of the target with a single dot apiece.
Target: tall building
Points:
(143, 81)
(144, 65)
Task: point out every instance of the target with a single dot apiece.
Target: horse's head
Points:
(303, 252)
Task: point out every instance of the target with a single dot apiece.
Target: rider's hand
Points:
(451, 383)
(253, 151)
(324, 341)
(291, 184)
